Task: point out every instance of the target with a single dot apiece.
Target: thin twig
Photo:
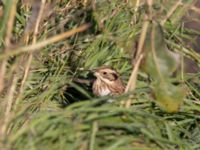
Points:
(10, 94)
(83, 81)
(131, 82)
(9, 100)
(10, 23)
(2, 73)
(195, 9)
(137, 3)
(133, 78)
(39, 45)
(171, 11)
(27, 67)
(142, 37)
(187, 51)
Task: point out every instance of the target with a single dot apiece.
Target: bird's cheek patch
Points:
(112, 77)
(115, 76)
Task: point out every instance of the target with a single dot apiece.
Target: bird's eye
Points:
(104, 73)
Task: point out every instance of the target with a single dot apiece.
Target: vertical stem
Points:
(9, 100)
(8, 36)
(133, 77)
(27, 67)
(11, 90)
(171, 11)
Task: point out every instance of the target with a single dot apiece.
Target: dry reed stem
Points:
(137, 5)
(10, 23)
(2, 74)
(27, 67)
(133, 78)
(7, 42)
(131, 83)
(9, 100)
(187, 51)
(11, 90)
(150, 3)
(142, 36)
(171, 11)
(39, 45)
(195, 9)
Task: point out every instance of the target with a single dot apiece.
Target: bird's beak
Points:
(96, 74)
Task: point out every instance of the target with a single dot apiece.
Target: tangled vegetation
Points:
(48, 49)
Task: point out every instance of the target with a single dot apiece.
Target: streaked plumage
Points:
(107, 82)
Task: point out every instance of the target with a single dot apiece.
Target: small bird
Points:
(107, 82)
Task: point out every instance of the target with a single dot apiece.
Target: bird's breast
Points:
(100, 88)
(104, 92)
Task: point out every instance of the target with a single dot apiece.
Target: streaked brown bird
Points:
(107, 82)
